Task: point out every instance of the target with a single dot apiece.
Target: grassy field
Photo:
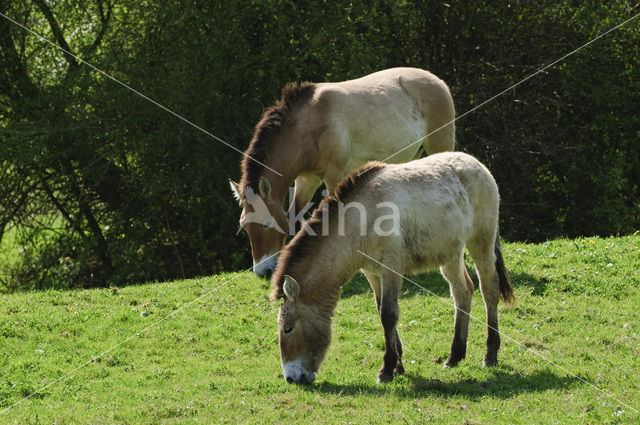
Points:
(205, 351)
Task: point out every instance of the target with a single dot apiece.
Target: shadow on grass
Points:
(502, 383)
(435, 284)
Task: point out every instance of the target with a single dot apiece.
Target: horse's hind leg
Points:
(434, 100)
(462, 291)
(484, 259)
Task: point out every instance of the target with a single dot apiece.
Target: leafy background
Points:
(98, 186)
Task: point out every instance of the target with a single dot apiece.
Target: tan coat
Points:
(320, 132)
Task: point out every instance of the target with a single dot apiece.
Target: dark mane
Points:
(352, 183)
(270, 123)
(304, 243)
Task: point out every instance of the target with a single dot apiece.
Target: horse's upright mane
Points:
(271, 122)
(306, 241)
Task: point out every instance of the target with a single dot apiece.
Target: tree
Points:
(105, 187)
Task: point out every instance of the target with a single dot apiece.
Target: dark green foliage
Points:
(137, 194)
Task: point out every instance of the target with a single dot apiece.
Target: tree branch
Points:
(104, 19)
(57, 32)
(85, 209)
(14, 80)
(60, 207)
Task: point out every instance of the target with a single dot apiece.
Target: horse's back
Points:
(381, 89)
(443, 201)
(388, 76)
(446, 172)
(377, 116)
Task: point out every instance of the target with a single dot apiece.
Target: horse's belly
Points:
(435, 233)
(386, 145)
(423, 252)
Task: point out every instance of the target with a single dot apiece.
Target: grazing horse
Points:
(321, 131)
(444, 202)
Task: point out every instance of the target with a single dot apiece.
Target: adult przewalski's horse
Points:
(445, 202)
(321, 131)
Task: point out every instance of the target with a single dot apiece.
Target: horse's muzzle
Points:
(265, 266)
(303, 379)
(294, 373)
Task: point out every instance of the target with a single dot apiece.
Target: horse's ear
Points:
(265, 189)
(235, 188)
(291, 288)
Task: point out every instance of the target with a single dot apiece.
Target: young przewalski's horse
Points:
(444, 203)
(320, 132)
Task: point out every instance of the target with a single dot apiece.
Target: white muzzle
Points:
(266, 265)
(296, 373)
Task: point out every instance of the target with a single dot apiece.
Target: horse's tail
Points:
(506, 290)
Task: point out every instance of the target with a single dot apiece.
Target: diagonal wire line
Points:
(502, 334)
(136, 92)
(511, 87)
(156, 323)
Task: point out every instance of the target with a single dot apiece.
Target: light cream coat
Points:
(446, 202)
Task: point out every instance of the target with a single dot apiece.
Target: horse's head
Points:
(266, 224)
(304, 332)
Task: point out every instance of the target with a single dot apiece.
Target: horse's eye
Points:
(288, 330)
(266, 226)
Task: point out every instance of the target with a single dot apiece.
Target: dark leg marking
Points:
(389, 317)
(458, 346)
(399, 370)
(493, 345)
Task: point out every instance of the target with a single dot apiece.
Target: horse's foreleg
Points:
(333, 177)
(304, 189)
(390, 285)
(375, 282)
(462, 291)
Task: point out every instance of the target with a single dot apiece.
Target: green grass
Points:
(216, 360)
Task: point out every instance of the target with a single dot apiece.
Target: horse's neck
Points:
(330, 268)
(287, 159)
(279, 186)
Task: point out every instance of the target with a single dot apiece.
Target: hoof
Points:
(490, 358)
(489, 362)
(399, 369)
(383, 379)
(450, 362)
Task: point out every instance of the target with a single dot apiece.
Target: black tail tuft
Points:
(506, 290)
